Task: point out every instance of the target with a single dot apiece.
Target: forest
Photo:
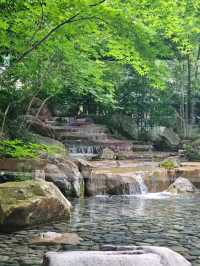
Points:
(99, 132)
(139, 58)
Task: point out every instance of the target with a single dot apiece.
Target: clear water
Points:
(151, 219)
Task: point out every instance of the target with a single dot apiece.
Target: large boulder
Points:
(119, 181)
(182, 185)
(123, 177)
(135, 256)
(66, 176)
(189, 170)
(165, 138)
(124, 124)
(107, 154)
(111, 183)
(56, 149)
(30, 202)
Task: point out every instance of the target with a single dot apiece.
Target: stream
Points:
(149, 219)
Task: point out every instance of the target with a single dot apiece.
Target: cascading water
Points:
(104, 184)
(84, 149)
(139, 187)
(140, 180)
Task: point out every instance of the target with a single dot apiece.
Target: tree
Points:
(63, 48)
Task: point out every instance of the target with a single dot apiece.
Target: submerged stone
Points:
(29, 203)
(51, 238)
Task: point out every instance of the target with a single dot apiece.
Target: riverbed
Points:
(151, 219)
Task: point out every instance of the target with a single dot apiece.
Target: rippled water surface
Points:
(150, 220)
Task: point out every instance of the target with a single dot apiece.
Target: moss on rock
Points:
(169, 163)
(30, 202)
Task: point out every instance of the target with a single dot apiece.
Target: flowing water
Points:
(140, 180)
(148, 219)
(84, 149)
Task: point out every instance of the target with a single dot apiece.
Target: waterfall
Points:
(84, 149)
(140, 180)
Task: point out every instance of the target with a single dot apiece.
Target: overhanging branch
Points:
(38, 43)
(67, 21)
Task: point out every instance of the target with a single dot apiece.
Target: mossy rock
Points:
(30, 202)
(54, 147)
(169, 163)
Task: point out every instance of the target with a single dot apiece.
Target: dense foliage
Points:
(139, 57)
(19, 149)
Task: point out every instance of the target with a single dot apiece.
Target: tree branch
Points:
(67, 21)
(4, 120)
(38, 43)
(196, 64)
(98, 3)
(72, 19)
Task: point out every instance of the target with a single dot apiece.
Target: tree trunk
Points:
(189, 92)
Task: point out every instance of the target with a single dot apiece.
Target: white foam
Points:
(157, 195)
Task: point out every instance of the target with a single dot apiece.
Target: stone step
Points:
(142, 147)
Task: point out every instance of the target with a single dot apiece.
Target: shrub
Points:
(168, 164)
(192, 152)
(19, 149)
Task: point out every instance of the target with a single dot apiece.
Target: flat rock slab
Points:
(134, 256)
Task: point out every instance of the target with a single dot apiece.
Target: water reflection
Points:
(145, 220)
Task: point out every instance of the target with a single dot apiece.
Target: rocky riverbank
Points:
(120, 168)
(115, 221)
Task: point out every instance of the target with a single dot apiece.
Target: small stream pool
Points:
(159, 220)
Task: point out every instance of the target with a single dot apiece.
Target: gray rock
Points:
(165, 135)
(56, 149)
(112, 183)
(30, 202)
(126, 124)
(135, 256)
(182, 185)
(108, 154)
(66, 176)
